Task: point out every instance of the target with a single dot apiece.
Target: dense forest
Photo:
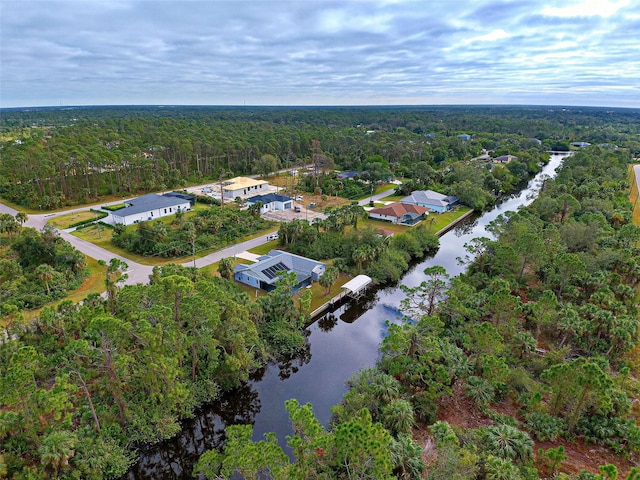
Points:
(37, 267)
(83, 384)
(537, 337)
(55, 157)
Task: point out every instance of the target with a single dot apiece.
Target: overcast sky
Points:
(179, 52)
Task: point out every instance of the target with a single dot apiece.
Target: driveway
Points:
(139, 273)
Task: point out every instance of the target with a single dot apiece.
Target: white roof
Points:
(356, 284)
(241, 182)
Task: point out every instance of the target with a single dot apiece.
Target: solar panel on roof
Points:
(273, 270)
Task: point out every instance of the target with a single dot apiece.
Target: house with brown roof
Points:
(401, 213)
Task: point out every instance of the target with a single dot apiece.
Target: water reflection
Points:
(341, 343)
(174, 459)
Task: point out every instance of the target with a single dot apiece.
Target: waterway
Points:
(340, 343)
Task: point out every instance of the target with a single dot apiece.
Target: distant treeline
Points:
(55, 157)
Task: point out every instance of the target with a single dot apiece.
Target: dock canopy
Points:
(357, 285)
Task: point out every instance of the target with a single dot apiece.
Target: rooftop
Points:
(241, 182)
(148, 202)
(268, 198)
(398, 209)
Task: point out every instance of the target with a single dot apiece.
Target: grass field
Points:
(63, 222)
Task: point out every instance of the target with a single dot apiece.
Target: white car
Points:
(299, 198)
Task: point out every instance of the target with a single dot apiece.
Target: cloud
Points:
(318, 52)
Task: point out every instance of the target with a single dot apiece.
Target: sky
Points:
(305, 52)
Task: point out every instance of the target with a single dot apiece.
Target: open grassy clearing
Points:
(63, 222)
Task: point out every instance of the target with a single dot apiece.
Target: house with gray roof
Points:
(271, 201)
(580, 144)
(265, 272)
(504, 158)
(150, 207)
(434, 201)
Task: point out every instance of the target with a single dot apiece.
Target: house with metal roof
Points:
(265, 272)
(434, 201)
(150, 207)
(350, 174)
(402, 213)
(272, 201)
(580, 144)
(504, 158)
(243, 186)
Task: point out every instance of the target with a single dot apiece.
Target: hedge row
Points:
(89, 221)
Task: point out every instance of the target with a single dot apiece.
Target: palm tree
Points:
(45, 273)
(499, 469)
(508, 442)
(406, 456)
(329, 277)
(57, 449)
(21, 217)
(225, 268)
(398, 417)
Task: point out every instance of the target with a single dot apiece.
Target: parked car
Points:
(299, 198)
(297, 209)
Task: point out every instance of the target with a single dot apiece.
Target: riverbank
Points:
(344, 294)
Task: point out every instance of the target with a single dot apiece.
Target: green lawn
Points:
(63, 222)
(393, 198)
(264, 248)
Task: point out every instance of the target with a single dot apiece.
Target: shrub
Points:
(545, 426)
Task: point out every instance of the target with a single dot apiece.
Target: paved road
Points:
(139, 273)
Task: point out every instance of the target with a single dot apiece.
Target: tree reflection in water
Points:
(173, 459)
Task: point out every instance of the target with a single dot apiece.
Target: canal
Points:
(340, 343)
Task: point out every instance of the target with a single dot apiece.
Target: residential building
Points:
(264, 273)
(505, 158)
(243, 186)
(402, 213)
(150, 207)
(271, 201)
(434, 201)
(349, 174)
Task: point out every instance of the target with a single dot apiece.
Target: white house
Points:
(150, 207)
(243, 186)
(272, 201)
(434, 201)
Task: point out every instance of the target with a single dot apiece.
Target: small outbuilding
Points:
(356, 286)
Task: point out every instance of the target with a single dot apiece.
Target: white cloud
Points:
(602, 8)
(317, 52)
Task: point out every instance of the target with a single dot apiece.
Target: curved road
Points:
(137, 272)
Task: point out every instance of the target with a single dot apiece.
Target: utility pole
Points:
(193, 251)
(221, 190)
